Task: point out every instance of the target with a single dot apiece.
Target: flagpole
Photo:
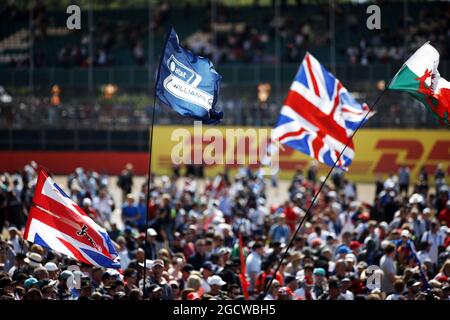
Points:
(147, 196)
(308, 212)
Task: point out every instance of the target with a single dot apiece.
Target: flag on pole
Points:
(243, 273)
(319, 116)
(58, 223)
(419, 76)
(188, 83)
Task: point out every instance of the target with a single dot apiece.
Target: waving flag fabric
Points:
(188, 83)
(419, 76)
(319, 115)
(58, 223)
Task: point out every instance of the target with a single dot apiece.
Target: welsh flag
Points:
(419, 77)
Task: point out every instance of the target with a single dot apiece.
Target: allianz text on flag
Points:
(319, 116)
(188, 83)
(58, 223)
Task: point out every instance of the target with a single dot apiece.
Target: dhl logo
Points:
(377, 152)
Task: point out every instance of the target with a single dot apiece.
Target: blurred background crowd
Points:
(203, 233)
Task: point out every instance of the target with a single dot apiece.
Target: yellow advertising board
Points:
(378, 151)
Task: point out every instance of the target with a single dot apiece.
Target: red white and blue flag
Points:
(56, 222)
(319, 116)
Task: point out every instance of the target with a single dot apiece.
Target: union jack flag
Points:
(56, 222)
(319, 115)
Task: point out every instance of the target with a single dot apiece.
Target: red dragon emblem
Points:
(438, 102)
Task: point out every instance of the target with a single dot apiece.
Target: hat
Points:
(208, 266)
(47, 282)
(158, 262)
(319, 272)
(29, 282)
(224, 250)
(187, 268)
(34, 259)
(364, 216)
(13, 228)
(65, 274)
(51, 266)
(216, 281)
(343, 250)
(316, 242)
(362, 265)
(285, 291)
(151, 232)
(332, 194)
(350, 257)
(355, 245)
(87, 202)
(193, 296)
(406, 233)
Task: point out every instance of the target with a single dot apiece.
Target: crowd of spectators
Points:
(251, 39)
(223, 240)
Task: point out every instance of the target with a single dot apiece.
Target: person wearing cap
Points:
(216, 283)
(176, 292)
(355, 247)
(90, 211)
(157, 278)
(96, 276)
(86, 288)
(334, 290)
(40, 273)
(413, 288)
(345, 286)
(285, 293)
(350, 262)
(206, 271)
(280, 230)
(192, 296)
(34, 260)
(294, 264)
(52, 270)
(319, 281)
(151, 250)
(31, 283)
(65, 283)
(49, 292)
(154, 292)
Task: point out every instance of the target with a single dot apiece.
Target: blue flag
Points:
(188, 83)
